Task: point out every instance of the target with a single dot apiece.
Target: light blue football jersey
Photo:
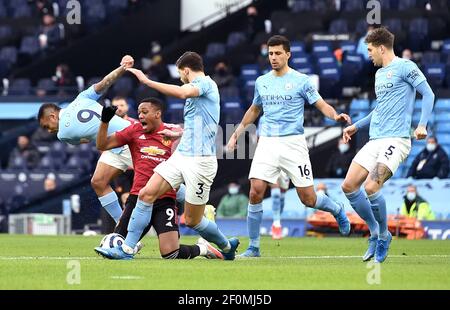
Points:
(81, 119)
(201, 119)
(282, 100)
(395, 90)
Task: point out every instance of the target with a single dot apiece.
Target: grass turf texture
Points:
(38, 262)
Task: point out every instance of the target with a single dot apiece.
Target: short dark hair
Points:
(119, 98)
(154, 102)
(190, 60)
(280, 40)
(380, 36)
(47, 107)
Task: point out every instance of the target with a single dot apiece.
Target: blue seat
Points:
(348, 46)
(300, 60)
(326, 60)
(446, 46)
(442, 105)
(236, 38)
(175, 110)
(215, 49)
(443, 128)
(406, 4)
(20, 87)
(249, 72)
(57, 150)
(9, 54)
(301, 6)
(359, 104)
(86, 151)
(3, 10)
(305, 68)
(354, 5)
(95, 14)
(435, 74)
(321, 48)
(329, 81)
(338, 26)
(394, 25)
(229, 92)
(123, 86)
(47, 85)
(29, 45)
(352, 67)
(22, 11)
(116, 5)
(431, 58)
(232, 111)
(418, 34)
(418, 106)
(5, 31)
(297, 48)
(443, 138)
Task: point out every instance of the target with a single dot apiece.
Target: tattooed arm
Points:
(103, 85)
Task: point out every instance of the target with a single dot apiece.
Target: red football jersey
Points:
(147, 151)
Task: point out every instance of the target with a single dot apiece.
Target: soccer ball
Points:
(111, 241)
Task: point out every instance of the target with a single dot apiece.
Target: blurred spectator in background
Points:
(415, 206)
(25, 150)
(50, 183)
(64, 79)
(339, 161)
(407, 54)
(361, 48)
(49, 32)
(263, 57)
(233, 204)
(158, 69)
(432, 162)
(122, 108)
(42, 135)
(254, 23)
(222, 75)
(44, 7)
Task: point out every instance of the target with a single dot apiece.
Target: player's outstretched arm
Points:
(103, 141)
(249, 118)
(427, 107)
(182, 92)
(331, 113)
(107, 81)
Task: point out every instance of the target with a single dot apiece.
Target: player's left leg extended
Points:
(100, 181)
(322, 202)
(377, 177)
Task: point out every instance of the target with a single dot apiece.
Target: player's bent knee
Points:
(309, 201)
(98, 183)
(147, 196)
(371, 188)
(256, 195)
(348, 188)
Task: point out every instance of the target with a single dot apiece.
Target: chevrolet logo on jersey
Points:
(152, 150)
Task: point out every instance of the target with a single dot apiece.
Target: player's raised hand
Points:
(171, 134)
(231, 145)
(108, 113)
(348, 133)
(343, 118)
(127, 62)
(139, 74)
(420, 133)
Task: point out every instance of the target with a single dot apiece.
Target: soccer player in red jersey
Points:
(151, 142)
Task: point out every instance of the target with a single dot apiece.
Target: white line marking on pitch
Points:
(267, 257)
(126, 278)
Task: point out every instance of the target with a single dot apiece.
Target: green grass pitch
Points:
(38, 262)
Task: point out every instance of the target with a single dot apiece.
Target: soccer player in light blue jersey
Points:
(281, 95)
(79, 123)
(396, 83)
(194, 162)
